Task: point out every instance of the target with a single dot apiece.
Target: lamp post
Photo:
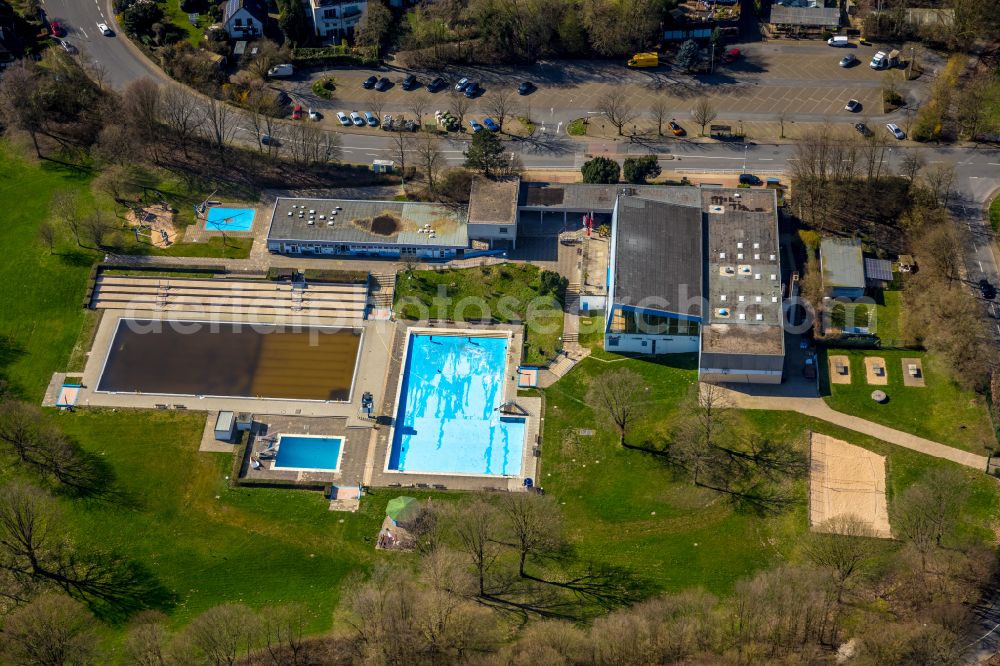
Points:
(746, 149)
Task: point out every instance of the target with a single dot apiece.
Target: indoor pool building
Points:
(698, 270)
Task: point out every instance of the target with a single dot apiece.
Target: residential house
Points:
(245, 19)
(334, 20)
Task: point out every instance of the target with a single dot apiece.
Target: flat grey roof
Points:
(658, 256)
(584, 197)
(805, 16)
(368, 222)
(494, 201)
(842, 263)
(743, 283)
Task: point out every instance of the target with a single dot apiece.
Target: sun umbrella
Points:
(402, 508)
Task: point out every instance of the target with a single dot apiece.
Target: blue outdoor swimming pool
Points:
(230, 219)
(304, 452)
(447, 420)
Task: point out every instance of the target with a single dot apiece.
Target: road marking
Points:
(710, 157)
(766, 159)
(84, 33)
(981, 267)
(994, 163)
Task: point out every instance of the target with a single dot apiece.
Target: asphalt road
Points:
(977, 169)
(120, 64)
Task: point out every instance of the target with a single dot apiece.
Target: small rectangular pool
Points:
(308, 453)
(448, 419)
(230, 219)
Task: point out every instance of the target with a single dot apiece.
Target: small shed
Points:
(225, 424)
(383, 166)
(843, 268)
(244, 422)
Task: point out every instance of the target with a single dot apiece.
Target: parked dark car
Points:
(383, 84)
(436, 84)
(749, 179)
(862, 129)
(472, 90)
(370, 82)
(410, 82)
(525, 88)
(988, 291)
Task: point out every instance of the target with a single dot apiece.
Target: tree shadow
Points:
(114, 587)
(76, 258)
(10, 352)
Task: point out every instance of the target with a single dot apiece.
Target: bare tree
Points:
(147, 638)
(846, 546)
(534, 524)
(617, 109)
(419, 106)
(401, 144)
(47, 236)
(376, 104)
(475, 525)
(20, 105)
(268, 55)
(430, 158)
(460, 106)
(911, 164)
(182, 114)
(782, 119)
(96, 228)
(703, 113)
(617, 395)
(52, 630)
(659, 111)
(940, 179)
(221, 125)
(500, 105)
(141, 110)
(697, 439)
(223, 635)
(284, 630)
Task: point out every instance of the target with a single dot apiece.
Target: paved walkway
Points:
(817, 408)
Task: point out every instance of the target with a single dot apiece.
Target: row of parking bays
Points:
(444, 119)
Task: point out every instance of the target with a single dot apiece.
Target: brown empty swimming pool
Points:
(231, 359)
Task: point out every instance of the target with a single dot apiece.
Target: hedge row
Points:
(330, 56)
(335, 275)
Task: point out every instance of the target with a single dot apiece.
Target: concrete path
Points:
(818, 409)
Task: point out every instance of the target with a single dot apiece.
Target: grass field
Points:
(40, 313)
(940, 411)
(172, 12)
(205, 541)
(505, 293)
(668, 533)
(995, 214)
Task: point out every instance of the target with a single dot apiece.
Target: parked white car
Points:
(344, 120)
(105, 30)
(896, 131)
(357, 119)
(314, 115)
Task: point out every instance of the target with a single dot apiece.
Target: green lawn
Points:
(508, 292)
(209, 543)
(624, 508)
(888, 324)
(940, 411)
(172, 12)
(995, 214)
(40, 305)
(40, 302)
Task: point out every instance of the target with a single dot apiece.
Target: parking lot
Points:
(803, 80)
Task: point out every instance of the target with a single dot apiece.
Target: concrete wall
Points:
(665, 344)
(590, 303)
(720, 376)
(493, 232)
(330, 249)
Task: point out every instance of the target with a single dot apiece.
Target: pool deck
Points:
(376, 473)
(353, 449)
(369, 375)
